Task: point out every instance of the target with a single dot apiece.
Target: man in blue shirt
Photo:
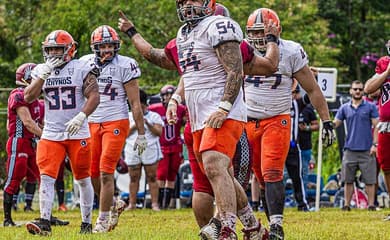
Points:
(359, 147)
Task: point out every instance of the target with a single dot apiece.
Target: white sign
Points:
(327, 80)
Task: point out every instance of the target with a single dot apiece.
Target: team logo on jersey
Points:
(283, 122)
(83, 143)
(112, 71)
(71, 71)
(57, 72)
(116, 132)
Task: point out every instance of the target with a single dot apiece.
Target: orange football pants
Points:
(270, 139)
(223, 140)
(107, 141)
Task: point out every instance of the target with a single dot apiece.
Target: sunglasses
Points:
(355, 89)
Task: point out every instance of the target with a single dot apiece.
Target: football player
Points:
(71, 94)
(268, 100)
(381, 80)
(23, 129)
(109, 123)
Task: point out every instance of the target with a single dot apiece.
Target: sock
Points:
(29, 190)
(86, 199)
(103, 216)
(264, 203)
(15, 198)
(46, 196)
(228, 219)
(161, 196)
(167, 197)
(274, 193)
(7, 205)
(60, 188)
(247, 217)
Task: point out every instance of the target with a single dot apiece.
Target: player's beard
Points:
(357, 97)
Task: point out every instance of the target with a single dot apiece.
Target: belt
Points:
(257, 121)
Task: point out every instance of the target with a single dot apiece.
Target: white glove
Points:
(328, 133)
(140, 144)
(73, 126)
(44, 70)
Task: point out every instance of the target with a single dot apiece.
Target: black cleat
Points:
(86, 228)
(58, 222)
(276, 232)
(28, 209)
(40, 227)
(10, 223)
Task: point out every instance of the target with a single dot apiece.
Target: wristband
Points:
(271, 38)
(223, 111)
(172, 102)
(131, 32)
(225, 105)
(176, 97)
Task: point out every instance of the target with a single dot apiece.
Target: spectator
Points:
(171, 146)
(359, 148)
(149, 158)
(23, 129)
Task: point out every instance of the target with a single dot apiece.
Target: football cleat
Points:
(211, 231)
(258, 232)
(40, 227)
(276, 232)
(101, 226)
(85, 228)
(115, 212)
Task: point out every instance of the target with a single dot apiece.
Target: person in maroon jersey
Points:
(23, 129)
(381, 80)
(171, 147)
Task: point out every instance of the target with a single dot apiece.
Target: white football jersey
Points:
(64, 99)
(203, 75)
(113, 98)
(271, 96)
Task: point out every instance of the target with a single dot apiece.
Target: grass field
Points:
(329, 223)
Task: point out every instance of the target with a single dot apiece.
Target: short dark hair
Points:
(356, 82)
(143, 97)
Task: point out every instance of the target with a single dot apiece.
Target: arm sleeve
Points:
(299, 59)
(131, 71)
(17, 100)
(247, 52)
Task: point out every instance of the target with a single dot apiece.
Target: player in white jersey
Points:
(269, 102)
(109, 123)
(71, 94)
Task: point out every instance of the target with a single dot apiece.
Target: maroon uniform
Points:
(171, 143)
(384, 115)
(21, 143)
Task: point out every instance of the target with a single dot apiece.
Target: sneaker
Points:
(10, 223)
(276, 232)
(227, 234)
(101, 226)
(40, 227)
(28, 209)
(85, 228)
(62, 208)
(57, 222)
(346, 208)
(371, 208)
(115, 212)
(211, 230)
(303, 209)
(256, 233)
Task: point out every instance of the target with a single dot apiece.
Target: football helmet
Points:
(23, 74)
(256, 22)
(221, 10)
(59, 39)
(193, 14)
(165, 90)
(102, 35)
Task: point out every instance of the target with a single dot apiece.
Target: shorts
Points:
(363, 161)
(223, 140)
(150, 156)
(108, 140)
(383, 151)
(51, 154)
(270, 140)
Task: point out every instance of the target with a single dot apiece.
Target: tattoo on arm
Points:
(90, 84)
(229, 55)
(159, 58)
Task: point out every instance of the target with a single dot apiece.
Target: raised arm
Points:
(376, 81)
(156, 56)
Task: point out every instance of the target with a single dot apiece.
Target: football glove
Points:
(140, 144)
(328, 133)
(73, 126)
(44, 70)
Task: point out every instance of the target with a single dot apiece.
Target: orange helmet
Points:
(59, 39)
(104, 34)
(221, 10)
(193, 14)
(23, 74)
(256, 22)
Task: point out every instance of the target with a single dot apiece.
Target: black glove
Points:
(328, 133)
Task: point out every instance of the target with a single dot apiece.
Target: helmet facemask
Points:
(193, 14)
(101, 36)
(100, 55)
(256, 37)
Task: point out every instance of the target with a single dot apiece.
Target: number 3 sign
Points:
(327, 80)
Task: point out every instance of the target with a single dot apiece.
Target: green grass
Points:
(329, 223)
